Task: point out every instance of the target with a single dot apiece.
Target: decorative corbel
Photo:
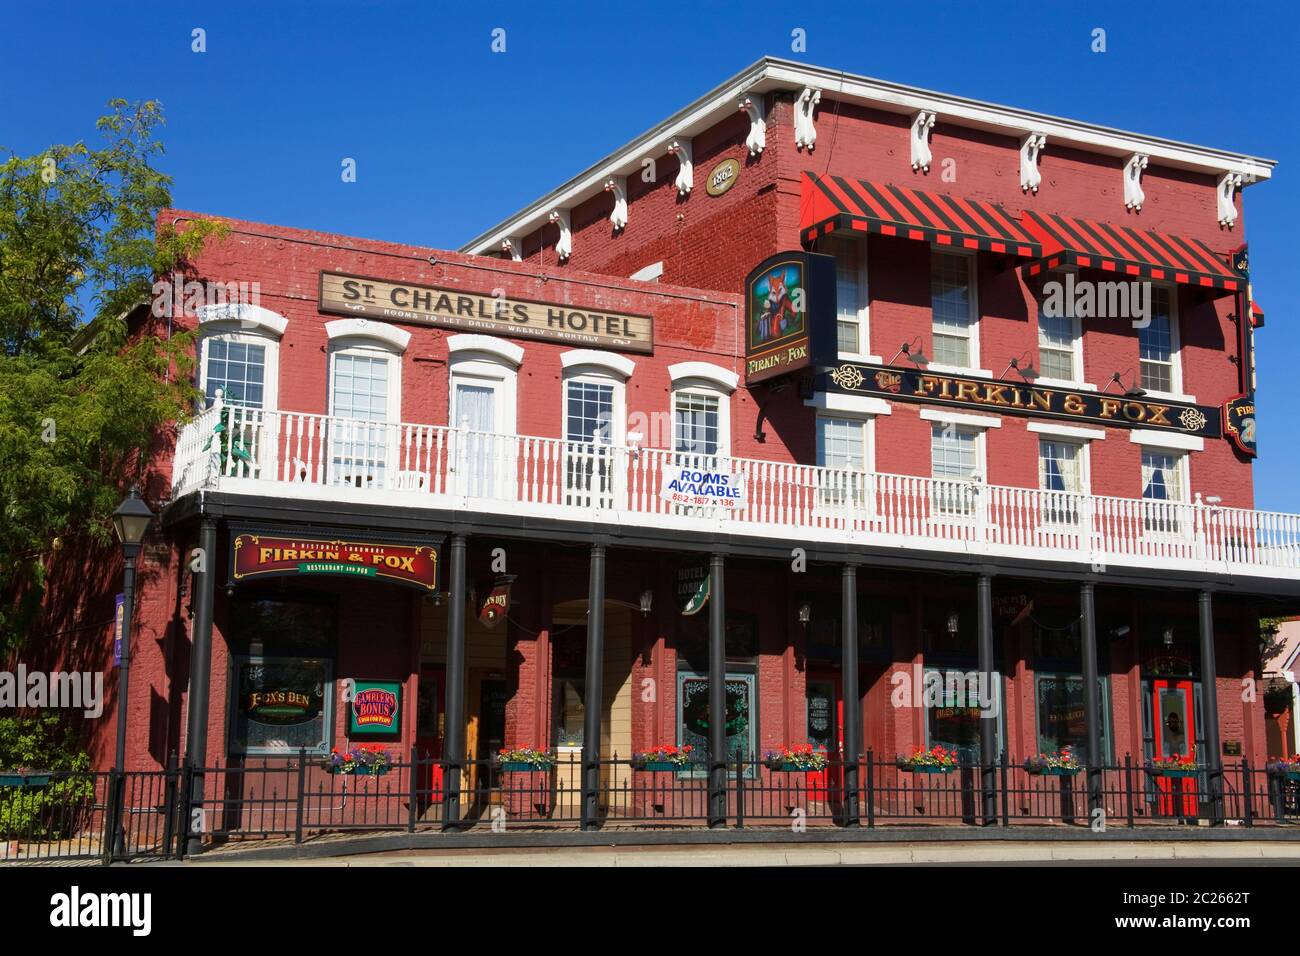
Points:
(514, 247)
(922, 123)
(757, 138)
(618, 186)
(563, 245)
(1134, 197)
(681, 148)
(1229, 183)
(1030, 178)
(805, 133)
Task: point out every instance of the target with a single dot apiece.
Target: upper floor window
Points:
(954, 464)
(239, 354)
(1061, 473)
(594, 416)
(845, 446)
(365, 395)
(237, 367)
(952, 298)
(851, 294)
(1059, 346)
(701, 408)
(1158, 344)
(1162, 475)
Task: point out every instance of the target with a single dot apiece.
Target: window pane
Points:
(952, 452)
(570, 712)
(590, 412)
(1056, 345)
(695, 424)
(950, 299)
(848, 336)
(281, 705)
(840, 443)
(1058, 466)
(238, 369)
(1155, 343)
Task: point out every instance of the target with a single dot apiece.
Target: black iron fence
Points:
(109, 816)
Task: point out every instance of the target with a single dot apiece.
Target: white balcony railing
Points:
(291, 454)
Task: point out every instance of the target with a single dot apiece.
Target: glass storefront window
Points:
(1061, 721)
(955, 723)
(570, 711)
(281, 705)
(693, 717)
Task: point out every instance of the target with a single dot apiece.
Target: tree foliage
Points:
(81, 399)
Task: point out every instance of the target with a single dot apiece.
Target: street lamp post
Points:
(130, 521)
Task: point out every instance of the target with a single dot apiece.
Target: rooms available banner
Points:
(701, 487)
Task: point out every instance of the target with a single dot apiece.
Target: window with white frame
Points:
(1158, 344)
(955, 466)
(697, 423)
(364, 399)
(589, 411)
(850, 293)
(1059, 346)
(482, 406)
(1061, 475)
(844, 449)
(952, 299)
(1164, 488)
(237, 368)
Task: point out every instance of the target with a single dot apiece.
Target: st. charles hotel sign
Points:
(1021, 398)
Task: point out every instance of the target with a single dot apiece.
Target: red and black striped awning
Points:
(830, 203)
(1130, 252)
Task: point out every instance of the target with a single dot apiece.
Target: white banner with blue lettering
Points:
(701, 487)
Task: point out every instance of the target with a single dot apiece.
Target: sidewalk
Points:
(1000, 852)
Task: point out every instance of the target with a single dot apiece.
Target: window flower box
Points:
(1062, 763)
(1175, 766)
(1288, 768)
(665, 759)
(364, 760)
(24, 777)
(525, 760)
(934, 760)
(799, 759)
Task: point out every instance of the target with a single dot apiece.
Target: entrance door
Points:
(474, 409)
(430, 728)
(485, 733)
(1174, 735)
(825, 732)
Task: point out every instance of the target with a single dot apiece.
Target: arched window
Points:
(239, 354)
(365, 399)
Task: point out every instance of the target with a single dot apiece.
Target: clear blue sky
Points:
(450, 137)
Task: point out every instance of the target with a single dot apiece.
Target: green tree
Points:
(80, 398)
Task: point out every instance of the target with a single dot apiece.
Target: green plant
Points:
(46, 742)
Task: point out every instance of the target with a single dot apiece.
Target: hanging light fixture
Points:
(647, 599)
(952, 622)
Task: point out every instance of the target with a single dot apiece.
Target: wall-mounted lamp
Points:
(952, 623)
(1169, 637)
(915, 354)
(1131, 391)
(805, 612)
(1025, 371)
(647, 600)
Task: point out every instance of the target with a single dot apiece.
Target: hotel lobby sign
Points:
(385, 301)
(255, 555)
(789, 314)
(1022, 398)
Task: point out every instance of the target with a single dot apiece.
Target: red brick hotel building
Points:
(777, 372)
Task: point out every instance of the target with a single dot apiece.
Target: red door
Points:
(826, 731)
(430, 728)
(1174, 736)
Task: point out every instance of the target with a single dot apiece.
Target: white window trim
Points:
(866, 508)
(981, 467)
(1184, 481)
(1076, 325)
(370, 349)
(712, 376)
(610, 363)
(839, 404)
(1070, 432)
(863, 310)
(710, 389)
(344, 332)
(469, 369)
(972, 279)
(463, 348)
(242, 317)
(1175, 354)
(271, 371)
(650, 273)
(1085, 461)
(597, 376)
(1063, 384)
(1166, 441)
(960, 418)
